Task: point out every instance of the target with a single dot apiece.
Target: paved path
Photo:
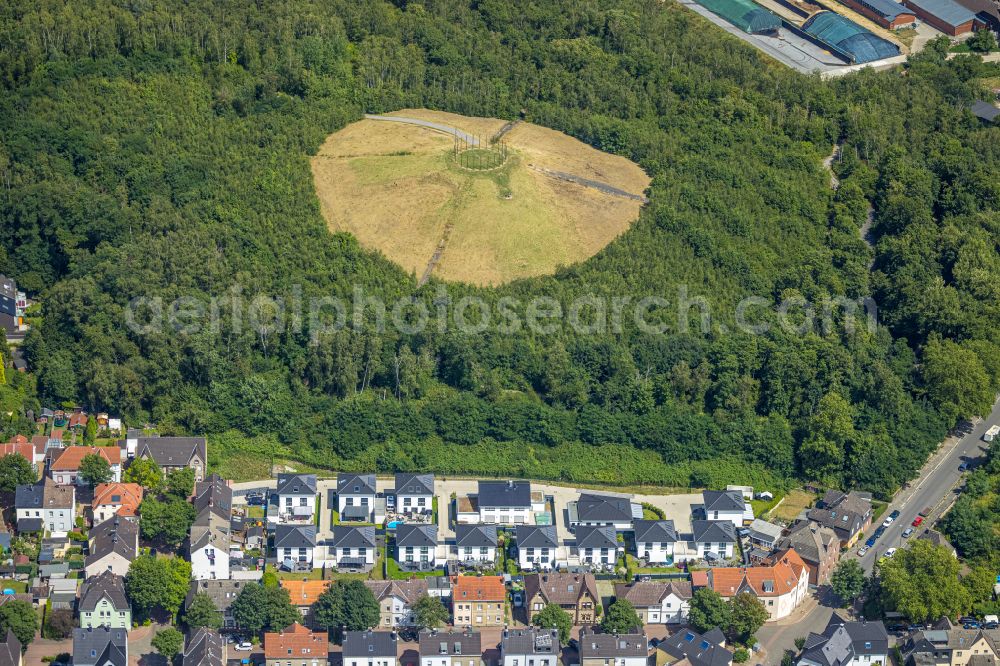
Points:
(447, 129)
(587, 182)
(42, 647)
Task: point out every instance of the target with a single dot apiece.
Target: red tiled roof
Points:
(782, 577)
(484, 588)
(71, 457)
(305, 592)
(24, 448)
(294, 642)
(128, 495)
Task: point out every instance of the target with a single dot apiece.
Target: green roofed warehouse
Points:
(746, 15)
(848, 38)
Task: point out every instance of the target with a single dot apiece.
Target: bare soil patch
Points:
(396, 187)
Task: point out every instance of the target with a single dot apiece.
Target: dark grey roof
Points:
(720, 531)
(105, 585)
(204, 648)
(367, 644)
(416, 535)
(985, 110)
(592, 507)
(355, 484)
(172, 451)
(213, 494)
(450, 643)
(414, 484)
(28, 496)
(356, 512)
(294, 536)
(723, 500)
(345, 536)
(612, 646)
(10, 650)
(29, 525)
(100, 646)
(700, 650)
(842, 642)
(655, 531)
(118, 535)
(948, 11)
(596, 537)
(296, 484)
(529, 641)
(222, 592)
(504, 494)
(536, 536)
(475, 536)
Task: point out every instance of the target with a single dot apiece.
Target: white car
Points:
(888, 521)
(862, 551)
(244, 647)
(890, 552)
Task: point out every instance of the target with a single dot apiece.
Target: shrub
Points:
(741, 655)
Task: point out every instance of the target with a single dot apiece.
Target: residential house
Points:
(689, 648)
(538, 547)
(63, 593)
(210, 538)
(370, 648)
(849, 515)
(575, 593)
(451, 648)
(222, 593)
(174, 453)
(947, 645)
(116, 499)
(475, 545)
(937, 539)
(594, 510)
(657, 601)
(845, 643)
(204, 647)
(439, 587)
(356, 497)
(596, 546)
(597, 649)
(531, 647)
(296, 496)
(45, 506)
(296, 645)
(103, 602)
(764, 535)
(478, 601)
(113, 545)
(65, 467)
(654, 541)
(781, 586)
(414, 494)
(507, 503)
(416, 547)
(818, 546)
(709, 540)
(78, 421)
(20, 445)
(726, 505)
(10, 650)
(100, 646)
(295, 546)
(395, 600)
(303, 594)
(353, 548)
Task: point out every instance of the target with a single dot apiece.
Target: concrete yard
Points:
(786, 48)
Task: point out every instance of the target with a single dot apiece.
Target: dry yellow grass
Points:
(395, 187)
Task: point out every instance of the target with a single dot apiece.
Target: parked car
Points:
(889, 553)
(925, 512)
(244, 647)
(891, 517)
(895, 514)
(863, 550)
(991, 625)
(967, 618)
(970, 625)
(907, 532)
(518, 599)
(916, 521)
(871, 541)
(879, 532)
(962, 467)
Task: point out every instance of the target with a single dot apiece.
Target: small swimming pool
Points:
(393, 524)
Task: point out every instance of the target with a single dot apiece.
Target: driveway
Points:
(41, 647)
(777, 637)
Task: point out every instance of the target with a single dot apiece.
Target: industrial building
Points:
(887, 13)
(987, 12)
(947, 16)
(849, 39)
(746, 15)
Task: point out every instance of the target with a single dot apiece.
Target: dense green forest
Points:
(160, 148)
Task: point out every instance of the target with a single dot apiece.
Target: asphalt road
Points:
(933, 488)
